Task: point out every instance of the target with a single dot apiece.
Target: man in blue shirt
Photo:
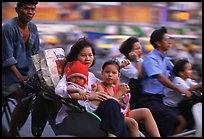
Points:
(20, 40)
(157, 69)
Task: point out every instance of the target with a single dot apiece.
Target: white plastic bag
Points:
(48, 64)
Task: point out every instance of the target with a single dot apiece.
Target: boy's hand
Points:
(186, 93)
(124, 63)
(199, 85)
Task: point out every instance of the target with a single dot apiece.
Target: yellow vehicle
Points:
(108, 41)
(145, 43)
(110, 44)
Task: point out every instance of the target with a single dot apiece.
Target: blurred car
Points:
(109, 44)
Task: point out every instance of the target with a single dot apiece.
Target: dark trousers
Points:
(112, 120)
(135, 91)
(164, 116)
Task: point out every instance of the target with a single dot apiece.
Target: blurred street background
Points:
(107, 24)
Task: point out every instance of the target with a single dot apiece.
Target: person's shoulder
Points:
(177, 80)
(91, 75)
(151, 55)
(10, 23)
(33, 25)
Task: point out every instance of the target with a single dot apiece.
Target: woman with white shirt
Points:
(108, 109)
(132, 51)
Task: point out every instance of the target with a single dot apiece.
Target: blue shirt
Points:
(155, 63)
(15, 51)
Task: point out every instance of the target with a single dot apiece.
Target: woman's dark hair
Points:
(112, 62)
(77, 47)
(127, 46)
(157, 35)
(179, 66)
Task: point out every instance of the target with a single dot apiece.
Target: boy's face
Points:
(110, 74)
(77, 80)
(187, 70)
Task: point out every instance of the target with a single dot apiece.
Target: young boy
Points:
(183, 71)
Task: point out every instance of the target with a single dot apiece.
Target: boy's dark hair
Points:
(179, 66)
(77, 47)
(127, 45)
(157, 35)
(20, 4)
(112, 62)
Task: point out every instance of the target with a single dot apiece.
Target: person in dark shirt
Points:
(20, 40)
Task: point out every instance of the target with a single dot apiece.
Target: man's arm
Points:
(166, 82)
(16, 72)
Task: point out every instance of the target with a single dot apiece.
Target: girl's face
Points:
(137, 48)
(77, 80)
(187, 70)
(110, 74)
(86, 56)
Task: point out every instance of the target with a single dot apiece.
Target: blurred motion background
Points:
(60, 24)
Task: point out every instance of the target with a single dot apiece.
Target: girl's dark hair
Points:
(127, 45)
(77, 47)
(112, 62)
(179, 66)
(157, 35)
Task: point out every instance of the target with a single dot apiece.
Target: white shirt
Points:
(172, 97)
(130, 71)
(61, 90)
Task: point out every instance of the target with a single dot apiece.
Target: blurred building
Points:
(60, 24)
(129, 18)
